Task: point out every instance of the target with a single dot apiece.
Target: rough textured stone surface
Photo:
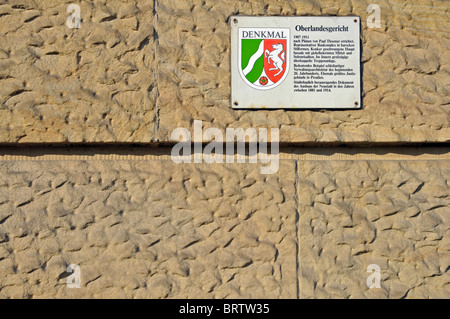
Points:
(153, 229)
(394, 214)
(112, 81)
(136, 70)
(93, 84)
(405, 71)
(147, 229)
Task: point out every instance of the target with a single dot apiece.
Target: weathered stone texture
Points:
(93, 84)
(134, 72)
(147, 229)
(153, 229)
(97, 83)
(394, 214)
(406, 92)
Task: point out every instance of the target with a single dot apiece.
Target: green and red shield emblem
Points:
(264, 56)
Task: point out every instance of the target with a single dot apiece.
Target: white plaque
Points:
(295, 62)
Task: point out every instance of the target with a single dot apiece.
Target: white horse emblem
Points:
(277, 60)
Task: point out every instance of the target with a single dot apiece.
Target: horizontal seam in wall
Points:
(307, 157)
(436, 152)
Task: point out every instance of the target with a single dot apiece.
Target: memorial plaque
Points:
(295, 62)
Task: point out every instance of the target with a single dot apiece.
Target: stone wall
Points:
(75, 189)
(394, 214)
(113, 81)
(147, 228)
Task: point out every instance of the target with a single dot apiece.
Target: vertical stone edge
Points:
(297, 235)
(155, 90)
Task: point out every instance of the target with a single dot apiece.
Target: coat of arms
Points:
(264, 56)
